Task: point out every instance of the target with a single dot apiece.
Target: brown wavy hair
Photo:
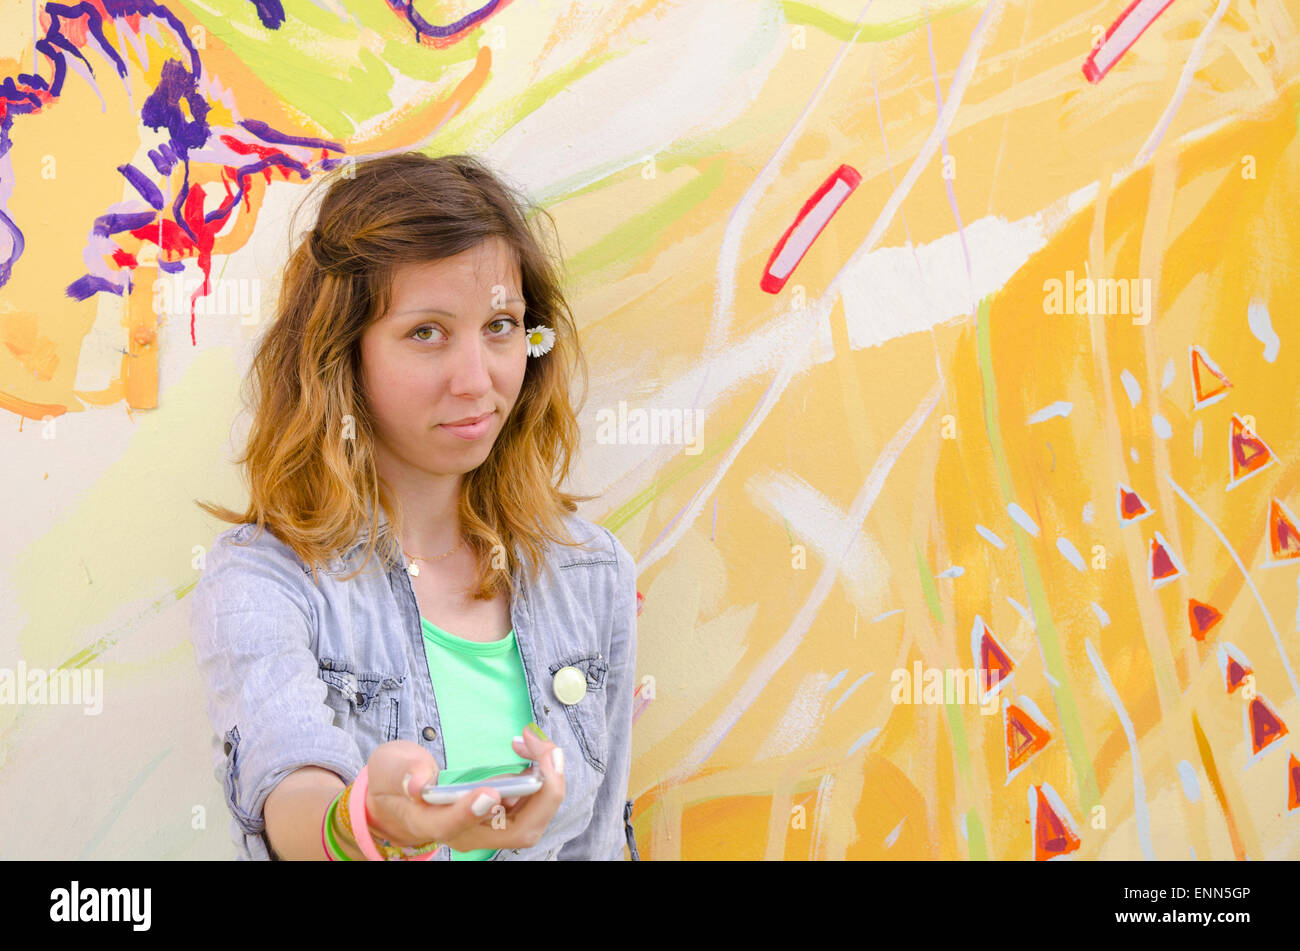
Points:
(311, 474)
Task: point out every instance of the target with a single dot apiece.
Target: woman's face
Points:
(451, 346)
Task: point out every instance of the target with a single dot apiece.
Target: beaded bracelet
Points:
(390, 851)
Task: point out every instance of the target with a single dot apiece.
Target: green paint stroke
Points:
(316, 63)
(638, 234)
(842, 28)
(625, 512)
(974, 830)
(927, 585)
(1048, 638)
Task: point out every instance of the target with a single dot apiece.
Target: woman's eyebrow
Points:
(445, 313)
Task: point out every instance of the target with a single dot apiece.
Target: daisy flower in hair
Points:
(540, 340)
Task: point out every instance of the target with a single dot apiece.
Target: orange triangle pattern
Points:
(1202, 617)
(1283, 536)
(1024, 737)
(1131, 506)
(1207, 379)
(1051, 836)
(995, 665)
(1265, 725)
(1249, 454)
(1236, 674)
(1162, 566)
(1293, 787)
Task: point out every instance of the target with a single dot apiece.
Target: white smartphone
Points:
(521, 784)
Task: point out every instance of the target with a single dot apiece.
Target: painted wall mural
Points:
(945, 390)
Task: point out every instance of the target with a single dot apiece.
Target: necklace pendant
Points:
(414, 569)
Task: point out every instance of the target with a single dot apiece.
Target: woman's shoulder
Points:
(251, 588)
(244, 548)
(598, 548)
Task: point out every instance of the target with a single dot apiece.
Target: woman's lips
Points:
(470, 430)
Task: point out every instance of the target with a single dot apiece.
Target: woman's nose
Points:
(470, 368)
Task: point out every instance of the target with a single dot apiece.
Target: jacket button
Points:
(429, 732)
(227, 747)
(570, 685)
(327, 663)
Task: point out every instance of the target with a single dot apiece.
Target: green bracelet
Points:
(339, 854)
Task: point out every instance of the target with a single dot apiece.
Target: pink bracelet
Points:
(361, 821)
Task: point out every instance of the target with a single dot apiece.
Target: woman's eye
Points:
(500, 320)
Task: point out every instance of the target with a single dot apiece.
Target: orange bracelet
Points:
(389, 851)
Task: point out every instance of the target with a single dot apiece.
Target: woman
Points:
(408, 588)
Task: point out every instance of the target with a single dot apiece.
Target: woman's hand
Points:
(402, 817)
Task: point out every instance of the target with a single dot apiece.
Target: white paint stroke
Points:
(1022, 611)
(1132, 387)
(815, 518)
(848, 693)
(1140, 807)
(1059, 408)
(1261, 325)
(761, 674)
(1191, 785)
(1066, 548)
(1184, 81)
(884, 298)
(689, 69)
(1021, 518)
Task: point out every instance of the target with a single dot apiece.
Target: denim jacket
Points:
(300, 674)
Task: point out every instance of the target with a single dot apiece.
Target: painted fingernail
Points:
(517, 739)
(482, 804)
(557, 760)
(538, 730)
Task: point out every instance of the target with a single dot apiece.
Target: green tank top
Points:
(482, 703)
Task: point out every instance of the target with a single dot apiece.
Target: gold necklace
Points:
(414, 569)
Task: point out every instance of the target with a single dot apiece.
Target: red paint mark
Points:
(995, 665)
(1249, 453)
(1209, 385)
(1123, 33)
(1131, 506)
(1236, 675)
(1283, 537)
(1163, 566)
(807, 226)
(1293, 787)
(1025, 737)
(172, 239)
(1052, 836)
(1202, 617)
(1265, 725)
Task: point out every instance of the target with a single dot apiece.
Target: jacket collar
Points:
(360, 538)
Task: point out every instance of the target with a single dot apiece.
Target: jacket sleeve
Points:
(605, 837)
(252, 628)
